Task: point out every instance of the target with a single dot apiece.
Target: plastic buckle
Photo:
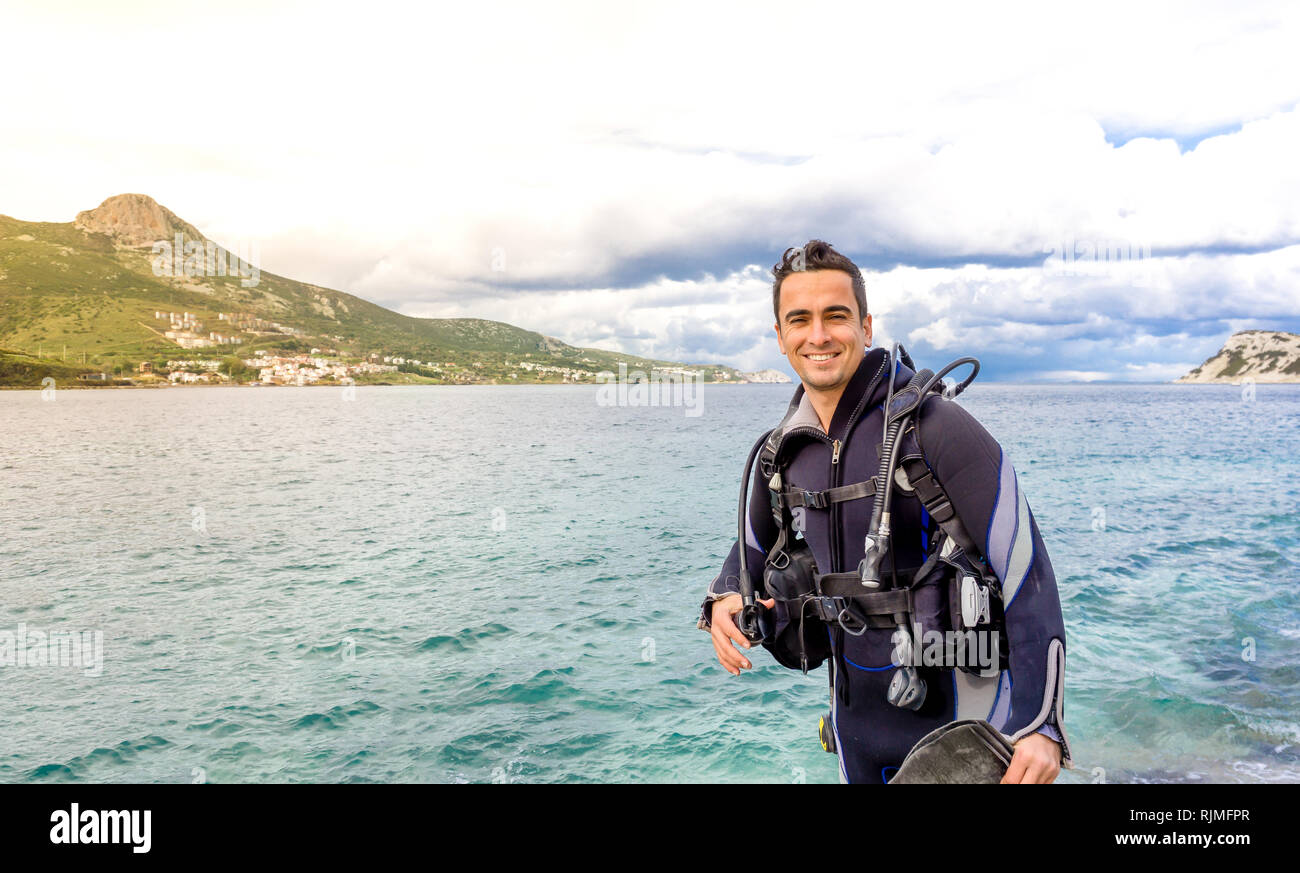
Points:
(815, 499)
(826, 608)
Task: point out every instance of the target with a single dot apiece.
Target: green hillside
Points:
(85, 294)
(29, 371)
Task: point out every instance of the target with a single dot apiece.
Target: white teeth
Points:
(820, 357)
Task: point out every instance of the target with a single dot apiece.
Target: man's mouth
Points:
(819, 357)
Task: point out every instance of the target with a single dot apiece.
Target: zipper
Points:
(837, 548)
(836, 545)
(836, 445)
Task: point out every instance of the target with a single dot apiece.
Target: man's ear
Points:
(780, 343)
(866, 327)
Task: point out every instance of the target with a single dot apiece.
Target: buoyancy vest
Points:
(947, 610)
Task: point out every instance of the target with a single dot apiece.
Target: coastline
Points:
(223, 385)
(227, 386)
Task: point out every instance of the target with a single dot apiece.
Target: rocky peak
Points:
(1259, 355)
(135, 220)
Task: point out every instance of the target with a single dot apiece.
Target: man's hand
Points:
(1036, 760)
(723, 629)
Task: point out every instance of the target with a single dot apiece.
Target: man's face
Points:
(819, 329)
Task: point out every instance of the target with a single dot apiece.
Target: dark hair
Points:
(816, 255)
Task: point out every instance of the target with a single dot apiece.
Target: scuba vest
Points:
(943, 613)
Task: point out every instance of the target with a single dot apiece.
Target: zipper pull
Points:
(835, 456)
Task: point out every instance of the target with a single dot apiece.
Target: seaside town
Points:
(187, 331)
(310, 369)
(275, 369)
(284, 363)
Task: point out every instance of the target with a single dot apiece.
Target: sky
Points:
(1088, 192)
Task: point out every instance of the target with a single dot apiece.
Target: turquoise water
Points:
(500, 584)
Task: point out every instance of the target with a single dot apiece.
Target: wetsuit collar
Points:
(864, 380)
(868, 377)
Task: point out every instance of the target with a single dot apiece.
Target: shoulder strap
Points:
(929, 490)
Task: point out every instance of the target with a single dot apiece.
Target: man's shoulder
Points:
(945, 412)
(947, 430)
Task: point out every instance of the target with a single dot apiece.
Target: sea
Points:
(501, 584)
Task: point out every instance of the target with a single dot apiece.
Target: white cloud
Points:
(724, 320)
(1025, 317)
(623, 156)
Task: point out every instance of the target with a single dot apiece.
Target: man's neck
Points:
(824, 404)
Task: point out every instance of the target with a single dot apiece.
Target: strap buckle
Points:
(815, 499)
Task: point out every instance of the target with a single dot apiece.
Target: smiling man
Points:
(962, 520)
(822, 333)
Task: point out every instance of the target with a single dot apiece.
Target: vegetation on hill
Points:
(76, 299)
(1258, 355)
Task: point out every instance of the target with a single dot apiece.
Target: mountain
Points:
(1261, 355)
(135, 220)
(130, 281)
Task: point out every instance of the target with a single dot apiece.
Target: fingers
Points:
(1016, 770)
(733, 633)
(1030, 766)
(732, 661)
(724, 632)
(724, 619)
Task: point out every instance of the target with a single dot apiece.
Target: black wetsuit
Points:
(873, 735)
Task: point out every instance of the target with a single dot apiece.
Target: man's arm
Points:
(985, 491)
(760, 534)
(722, 600)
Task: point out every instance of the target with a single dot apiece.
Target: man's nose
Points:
(818, 335)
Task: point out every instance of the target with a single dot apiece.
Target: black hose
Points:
(875, 551)
(748, 623)
(960, 387)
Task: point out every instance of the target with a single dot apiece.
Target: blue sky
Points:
(625, 175)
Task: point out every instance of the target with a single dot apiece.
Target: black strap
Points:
(849, 587)
(880, 609)
(936, 549)
(936, 502)
(831, 610)
(796, 497)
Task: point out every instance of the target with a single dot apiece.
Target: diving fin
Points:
(966, 751)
